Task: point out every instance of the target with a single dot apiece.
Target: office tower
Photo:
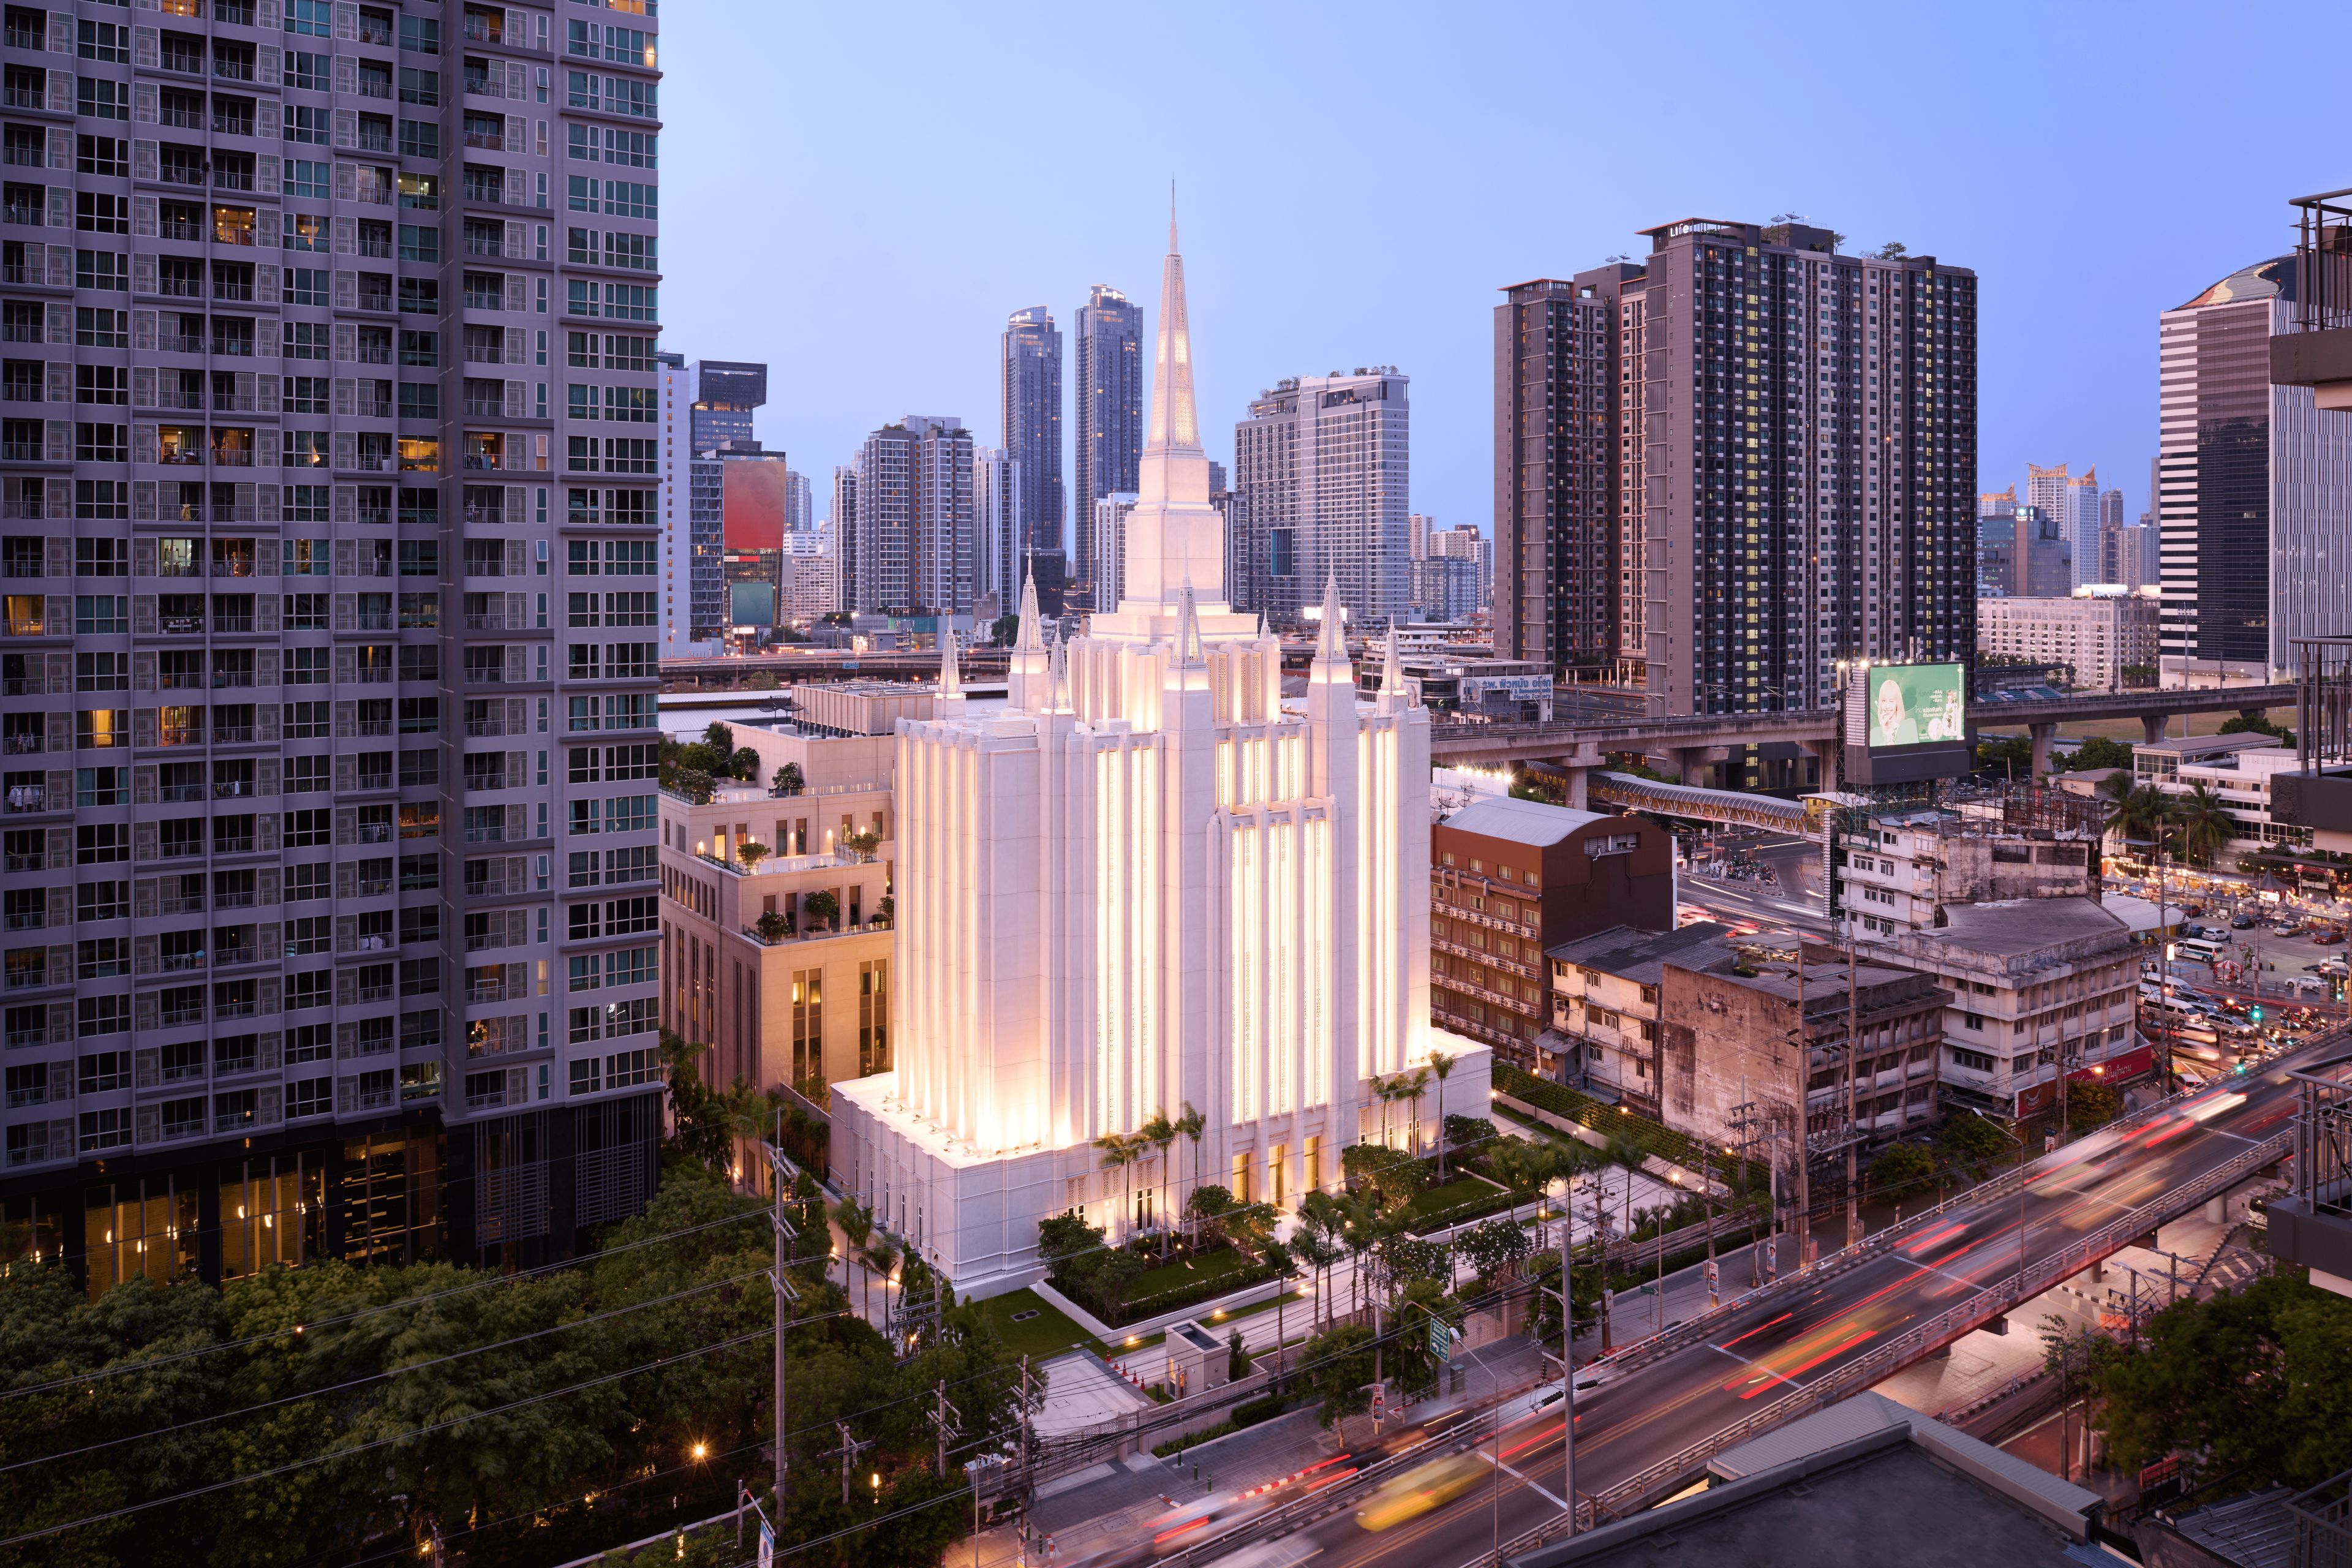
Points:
(306, 905)
(1110, 407)
(1802, 484)
(1033, 421)
(1996, 554)
(2136, 562)
(2072, 503)
(2256, 484)
(1107, 531)
(692, 568)
(1144, 882)
(1452, 578)
(1563, 475)
(2111, 508)
(725, 395)
(800, 513)
(996, 523)
(2046, 558)
(1325, 462)
(845, 546)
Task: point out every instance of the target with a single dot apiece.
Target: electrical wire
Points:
(394, 1371)
(404, 1304)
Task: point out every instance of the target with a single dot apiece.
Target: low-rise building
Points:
(1510, 879)
(2239, 769)
(2034, 984)
(779, 958)
(1604, 1005)
(2097, 632)
(1892, 868)
(1734, 1062)
(1512, 690)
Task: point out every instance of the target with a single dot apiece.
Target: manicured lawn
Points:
(1178, 1276)
(1459, 1193)
(1049, 1332)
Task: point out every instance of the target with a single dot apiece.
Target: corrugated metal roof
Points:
(1528, 822)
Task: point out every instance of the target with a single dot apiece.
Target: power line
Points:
(404, 1303)
(392, 1371)
(288, 1468)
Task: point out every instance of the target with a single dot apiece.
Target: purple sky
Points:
(858, 195)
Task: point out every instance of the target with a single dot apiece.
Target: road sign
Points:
(1380, 1399)
(767, 1546)
(1441, 1343)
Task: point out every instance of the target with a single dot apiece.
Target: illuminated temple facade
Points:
(1143, 884)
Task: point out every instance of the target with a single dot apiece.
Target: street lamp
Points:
(2019, 1142)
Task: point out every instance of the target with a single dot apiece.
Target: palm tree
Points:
(1443, 1066)
(1120, 1151)
(1623, 1153)
(1191, 1124)
(2203, 820)
(856, 1224)
(1312, 1243)
(1413, 1087)
(2134, 810)
(1159, 1132)
(881, 1255)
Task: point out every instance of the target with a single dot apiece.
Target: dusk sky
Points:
(859, 194)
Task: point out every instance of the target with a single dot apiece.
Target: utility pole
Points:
(785, 1291)
(1568, 1350)
(1804, 1120)
(850, 1448)
(942, 1420)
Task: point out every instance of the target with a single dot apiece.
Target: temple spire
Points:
(1028, 634)
(1174, 421)
(1330, 641)
(950, 678)
(1188, 628)
(1391, 672)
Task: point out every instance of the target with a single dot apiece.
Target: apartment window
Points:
(808, 1031)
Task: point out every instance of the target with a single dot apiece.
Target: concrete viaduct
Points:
(1691, 743)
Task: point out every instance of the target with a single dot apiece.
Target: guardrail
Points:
(1677, 1470)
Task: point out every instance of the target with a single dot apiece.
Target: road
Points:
(1809, 1329)
(1792, 902)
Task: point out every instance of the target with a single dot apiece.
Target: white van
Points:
(2194, 950)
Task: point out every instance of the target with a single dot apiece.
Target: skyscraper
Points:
(800, 513)
(1562, 473)
(2072, 503)
(1324, 465)
(1144, 882)
(693, 581)
(1762, 570)
(332, 758)
(844, 521)
(2256, 486)
(727, 393)
(1110, 407)
(1033, 421)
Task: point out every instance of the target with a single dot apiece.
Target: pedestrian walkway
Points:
(1082, 1393)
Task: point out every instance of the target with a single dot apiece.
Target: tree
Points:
(820, 907)
(1903, 1171)
(2092, 1102)
(1629, 1157)
(1314, 1245)
(1412, 1087)
(773, 926)
(1492, 1246)
(1193, 1124)
(2099, 752)
(2258, 724)
(1443, 1066)
(1004, 630)
(2277, 1347)
(863, 843)
(746, 763)
(750, 852)
(2204, 820)
(788, 780)
(719, 739)
(1206, 1208)
(1972, 1142)
(1237, 1358)
(856, 1223)
(2135, 810)
(1119, 1152)
(1893, 250)
(2137, 676)
(1159, 1132)
(1337, 1367)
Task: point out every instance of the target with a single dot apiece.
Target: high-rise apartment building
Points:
(693, 583)
(1998, 503)
(800, 511)
(845, 548)
(1107, 533)
(1110, 408)
(916, 545)
(1761, 569)
(1792, 431)
(1563, 469)
(996, 501)
(2256, 488)
(330, 855)
(1033, 421)
(1324, 464)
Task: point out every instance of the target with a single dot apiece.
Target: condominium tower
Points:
(1033, 421)
(1795, 436)
(1110, 410)
(330, 855)
(1323, 464)
(914, 544)
(2072, 501)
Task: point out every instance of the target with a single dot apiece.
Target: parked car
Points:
(2244, 922)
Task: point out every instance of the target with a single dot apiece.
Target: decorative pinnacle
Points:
(1329, 642)
(950, 678)
(1028, 636)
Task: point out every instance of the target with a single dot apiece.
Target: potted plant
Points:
(750, 852)
(788, 779)
(821, 906)
(772, 927)
(864, 843)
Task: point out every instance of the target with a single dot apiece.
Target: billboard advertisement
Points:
(1907, 723)
(755, 503)
(1915, 704)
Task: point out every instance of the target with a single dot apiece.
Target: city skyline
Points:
(846, 360)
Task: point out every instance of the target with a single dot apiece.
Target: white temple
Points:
(1144, 884)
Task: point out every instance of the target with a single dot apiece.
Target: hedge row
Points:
(1587, 1111)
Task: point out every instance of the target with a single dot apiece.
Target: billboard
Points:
(1915, 704)
(755, 503)
(1905, 723)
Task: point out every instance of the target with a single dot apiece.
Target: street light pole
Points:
(2019, 1142)
(1568, 1350)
